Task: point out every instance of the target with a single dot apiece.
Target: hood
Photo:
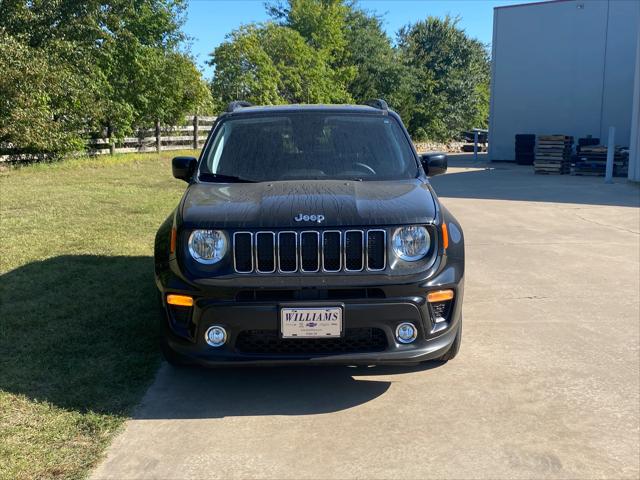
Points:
(278, 204)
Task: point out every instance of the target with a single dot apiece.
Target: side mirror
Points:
(183, 167)
(434, 163)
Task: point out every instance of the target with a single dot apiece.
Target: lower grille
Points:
(355, 340)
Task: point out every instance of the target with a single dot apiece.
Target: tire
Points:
(455, 346)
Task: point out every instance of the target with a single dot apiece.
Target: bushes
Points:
(42, 100)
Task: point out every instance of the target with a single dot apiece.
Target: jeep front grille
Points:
(310, 251)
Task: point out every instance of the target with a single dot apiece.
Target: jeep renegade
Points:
(310, 234)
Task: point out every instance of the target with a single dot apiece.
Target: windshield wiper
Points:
(219, 177)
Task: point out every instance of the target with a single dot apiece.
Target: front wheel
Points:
(455, 346)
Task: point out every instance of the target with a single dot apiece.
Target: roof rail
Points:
(378, 103)
(237, 104)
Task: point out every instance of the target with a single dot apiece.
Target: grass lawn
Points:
(79, 318)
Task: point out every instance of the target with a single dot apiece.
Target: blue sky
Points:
(208, 21)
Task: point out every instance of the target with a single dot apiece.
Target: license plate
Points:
(311, 322)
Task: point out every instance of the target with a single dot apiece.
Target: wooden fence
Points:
(192, 134)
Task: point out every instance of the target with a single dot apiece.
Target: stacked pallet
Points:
(586, 142)
(592, 161)
(525, 148)
(553, 154)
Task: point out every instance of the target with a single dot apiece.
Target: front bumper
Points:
(372, 320)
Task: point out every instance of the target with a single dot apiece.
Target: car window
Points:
(311, 145)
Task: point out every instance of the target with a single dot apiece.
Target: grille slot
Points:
(265, 252)
(287, 257)
(332, 250)
(376, 249)
(242, 254)
(310, 251)
(353, 250)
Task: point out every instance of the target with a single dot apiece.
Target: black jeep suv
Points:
(310, 234)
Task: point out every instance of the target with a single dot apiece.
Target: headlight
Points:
(411, 243)
(207, 246)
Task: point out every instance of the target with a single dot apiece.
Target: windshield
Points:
(309, 146)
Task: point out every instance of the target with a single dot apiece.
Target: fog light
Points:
(406, 332)
(215, 336)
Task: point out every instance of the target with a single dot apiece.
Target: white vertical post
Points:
(475, 146)
(195, 132)
(158, 137)
(611, 146)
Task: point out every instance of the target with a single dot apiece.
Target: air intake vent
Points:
(355, 340)
(353, 250)
(265, 252)
(331, 243)
(376, 249)
(310, 251)
(287, 257)
(242, 252)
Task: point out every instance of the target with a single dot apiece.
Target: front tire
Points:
(455, 346)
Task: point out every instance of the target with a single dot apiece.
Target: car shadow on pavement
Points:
(82, 333)
(195, 393)
(508, 181)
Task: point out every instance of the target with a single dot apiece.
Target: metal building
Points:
(566, 67)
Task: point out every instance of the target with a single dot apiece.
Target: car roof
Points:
(298, 108)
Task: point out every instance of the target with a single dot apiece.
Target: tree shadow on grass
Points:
(82, 333)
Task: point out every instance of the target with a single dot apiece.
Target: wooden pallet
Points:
(551, 172)
(553, 154)
(555, 138)
(553, 143)
(587, 174)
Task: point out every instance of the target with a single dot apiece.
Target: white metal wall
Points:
(563, 67)
(634, 142)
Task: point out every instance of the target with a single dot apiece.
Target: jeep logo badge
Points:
(309, 218)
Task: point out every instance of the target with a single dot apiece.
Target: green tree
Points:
(333, 51)
(43, 99)
(323, 25)
(380, 73)
(126, 56)
(272, 64)
(451, 72)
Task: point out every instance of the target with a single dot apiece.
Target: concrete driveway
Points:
(546, 384)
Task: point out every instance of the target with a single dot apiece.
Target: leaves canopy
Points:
(332, 51)
(71, 67)
(79, 66)
(452, 73)
(272, 64)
